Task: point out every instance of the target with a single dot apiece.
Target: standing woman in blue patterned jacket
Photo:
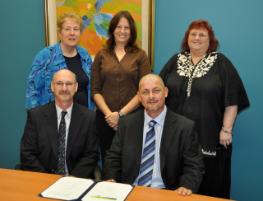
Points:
(64, 54)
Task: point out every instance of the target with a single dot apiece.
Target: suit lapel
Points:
(167, 137)
(50, 118)
(75, 123)
(137, 133)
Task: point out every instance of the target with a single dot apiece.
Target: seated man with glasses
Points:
(59, 136)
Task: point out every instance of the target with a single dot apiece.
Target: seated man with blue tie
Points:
(59, 136)
(155, 147)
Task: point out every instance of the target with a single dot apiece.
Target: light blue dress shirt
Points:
(157, 181)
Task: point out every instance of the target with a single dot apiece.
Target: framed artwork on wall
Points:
(96, 15)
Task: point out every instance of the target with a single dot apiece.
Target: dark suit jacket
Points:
(181, 161)
(39, 144)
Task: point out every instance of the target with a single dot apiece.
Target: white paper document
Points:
(67, 188)
(108, 191)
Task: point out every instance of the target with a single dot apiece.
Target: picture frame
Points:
(93, 40)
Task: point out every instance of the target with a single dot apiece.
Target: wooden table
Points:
(16, 185)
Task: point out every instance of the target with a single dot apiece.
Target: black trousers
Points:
(217, 178)
(105, 134)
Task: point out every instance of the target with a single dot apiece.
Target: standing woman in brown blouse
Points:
(116, 72)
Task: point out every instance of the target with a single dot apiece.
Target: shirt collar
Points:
(159, 119)
(59, 110)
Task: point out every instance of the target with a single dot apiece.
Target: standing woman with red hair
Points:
(205, 87)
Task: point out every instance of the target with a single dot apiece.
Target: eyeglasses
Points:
(200, 35)
(126, 28)
(69, 29)
(67, 84)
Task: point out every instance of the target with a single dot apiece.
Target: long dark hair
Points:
(113, 24)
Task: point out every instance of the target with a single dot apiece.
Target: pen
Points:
(103, 197)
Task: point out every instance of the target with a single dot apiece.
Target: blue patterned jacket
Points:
(48, 61)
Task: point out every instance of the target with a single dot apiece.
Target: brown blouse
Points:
(117, 81)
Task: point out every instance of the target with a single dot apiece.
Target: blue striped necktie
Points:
(62, 144)
(147, 160)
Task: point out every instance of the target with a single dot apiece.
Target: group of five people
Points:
(193, 104)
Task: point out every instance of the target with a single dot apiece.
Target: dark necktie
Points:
(62, 144)
(147, 160)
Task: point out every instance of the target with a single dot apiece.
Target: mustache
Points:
(64, 92)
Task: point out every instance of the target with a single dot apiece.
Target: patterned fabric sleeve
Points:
(36, 79)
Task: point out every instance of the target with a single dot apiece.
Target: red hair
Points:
(200, 24)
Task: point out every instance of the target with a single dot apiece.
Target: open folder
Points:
(73, 188)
